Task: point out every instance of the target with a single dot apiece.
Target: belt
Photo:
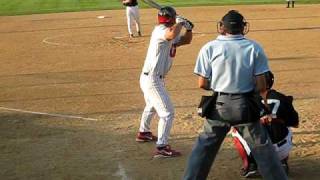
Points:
(282, 142)
(147, 74)
(234, 94)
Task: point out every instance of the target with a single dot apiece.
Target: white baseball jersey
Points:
(157, 64)
(158, 60)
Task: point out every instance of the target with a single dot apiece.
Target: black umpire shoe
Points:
(285, 165)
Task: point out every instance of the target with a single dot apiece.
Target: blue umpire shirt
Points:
(231, 63)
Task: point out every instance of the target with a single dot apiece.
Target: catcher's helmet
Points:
(167, 15)
(234, 23)
(269, 79)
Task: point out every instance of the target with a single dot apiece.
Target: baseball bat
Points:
(153, 4)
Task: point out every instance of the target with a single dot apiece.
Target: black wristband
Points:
(189, 30)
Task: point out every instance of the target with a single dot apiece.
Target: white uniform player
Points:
(133, 17)
(164, 39)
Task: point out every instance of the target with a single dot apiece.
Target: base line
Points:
(49, 114)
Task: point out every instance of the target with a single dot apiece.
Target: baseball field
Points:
(70, 100)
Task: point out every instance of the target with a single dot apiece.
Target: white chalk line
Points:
(121, 37)
(50, 40)
(48, 114)
(47, 40)
(121, 172)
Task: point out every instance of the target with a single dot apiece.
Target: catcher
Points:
(283, 117)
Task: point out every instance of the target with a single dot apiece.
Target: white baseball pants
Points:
(157, 101)
(133, 16)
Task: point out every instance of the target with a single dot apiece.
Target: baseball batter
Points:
(165, 38)
(133, 17)
(283, 117)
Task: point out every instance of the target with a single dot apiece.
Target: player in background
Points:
(284, 116)
(132, 12)
(164, 39)
(288, 3)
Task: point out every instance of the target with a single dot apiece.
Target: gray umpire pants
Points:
(232, 110)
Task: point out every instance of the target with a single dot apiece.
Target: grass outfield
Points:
(19, 7)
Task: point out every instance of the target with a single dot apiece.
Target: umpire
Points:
(233, 67)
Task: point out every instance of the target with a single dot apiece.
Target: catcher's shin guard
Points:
(242, 147)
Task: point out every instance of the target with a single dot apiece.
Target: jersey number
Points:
(276, 105)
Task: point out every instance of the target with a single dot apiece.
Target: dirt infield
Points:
(70, 100)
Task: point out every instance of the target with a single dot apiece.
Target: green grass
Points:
(19, 7)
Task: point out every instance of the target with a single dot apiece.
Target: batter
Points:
(165, 38)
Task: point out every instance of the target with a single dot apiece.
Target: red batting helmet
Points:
(167, 15)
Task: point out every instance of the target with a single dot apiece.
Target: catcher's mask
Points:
(167, 15)
(233, 23)
(269, 79)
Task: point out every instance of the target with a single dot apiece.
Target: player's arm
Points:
(186, 38)
(203, 69)
(204, 83)
(261, 87)
(173, 31)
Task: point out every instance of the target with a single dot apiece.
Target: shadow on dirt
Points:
(39, 147)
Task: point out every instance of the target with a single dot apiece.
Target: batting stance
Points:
(132, 12)
(283, 117)
(164, 40)
(233, 66)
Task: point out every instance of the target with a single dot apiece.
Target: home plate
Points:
(100, 17)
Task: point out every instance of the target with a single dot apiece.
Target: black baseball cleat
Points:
(139, 34)
(250, 172)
